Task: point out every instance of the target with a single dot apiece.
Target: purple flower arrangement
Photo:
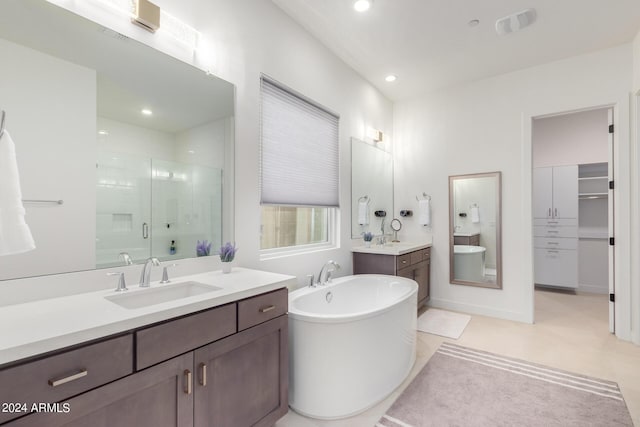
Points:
(203, 248)
(227, 252)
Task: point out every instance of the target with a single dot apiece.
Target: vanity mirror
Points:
(137, 144)
(371, 188)
(475, 252)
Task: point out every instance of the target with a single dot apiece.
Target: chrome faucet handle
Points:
(124, 256)
(337, 266)
(165, 276)
(122, 286)
(310, 281)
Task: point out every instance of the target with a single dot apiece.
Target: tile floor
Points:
(571, 333)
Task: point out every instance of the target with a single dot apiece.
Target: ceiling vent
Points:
(515, 22)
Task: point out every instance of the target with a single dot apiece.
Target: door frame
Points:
(622, 220)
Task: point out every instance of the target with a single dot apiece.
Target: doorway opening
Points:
(573, 217)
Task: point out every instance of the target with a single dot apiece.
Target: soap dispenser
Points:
(172, 248)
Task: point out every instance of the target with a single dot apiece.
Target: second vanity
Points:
(218, 358)
(412, 261)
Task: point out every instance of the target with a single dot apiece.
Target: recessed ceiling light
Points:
(391, 78)
(473, 23)
(103, 132)
(191, 152)
(362, 5)
(146, 112)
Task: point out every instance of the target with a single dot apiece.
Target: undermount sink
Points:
(160, 294)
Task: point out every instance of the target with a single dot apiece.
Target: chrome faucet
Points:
(146, 271)
(327, 269)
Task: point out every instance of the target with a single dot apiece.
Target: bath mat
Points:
(460, 386)
(443, 323)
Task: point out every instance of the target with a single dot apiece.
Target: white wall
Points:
(51, 103)
(571, 139)
(486, 126)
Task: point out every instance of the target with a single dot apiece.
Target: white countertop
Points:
(463, 234)
(391, 248)
(41, 326)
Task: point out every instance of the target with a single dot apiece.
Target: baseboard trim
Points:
(593, 289)
(478, 309)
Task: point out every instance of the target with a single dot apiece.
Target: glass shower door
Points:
(123, 208)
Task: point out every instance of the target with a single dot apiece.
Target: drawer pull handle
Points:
(72, 377)
(553, 243)
(404, 261)
(203, 374)
(187, 379)
(268, 308)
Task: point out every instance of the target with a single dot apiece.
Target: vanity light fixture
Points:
(146, 112)
(146, 15)
(375, 134)
(391, 78)
(362, 5)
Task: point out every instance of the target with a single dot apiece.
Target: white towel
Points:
(475, 214)
(15, 236)
(424, 206)
(363, 213)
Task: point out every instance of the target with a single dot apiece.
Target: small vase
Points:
(226, 267)
(367, 244)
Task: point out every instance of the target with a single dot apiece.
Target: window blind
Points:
(299, 150)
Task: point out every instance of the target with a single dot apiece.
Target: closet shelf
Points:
(589, 196)
(589, 178)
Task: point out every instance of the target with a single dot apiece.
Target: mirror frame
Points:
(498, 207)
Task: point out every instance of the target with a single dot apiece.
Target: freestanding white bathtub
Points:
(351, 343)
(468, 263)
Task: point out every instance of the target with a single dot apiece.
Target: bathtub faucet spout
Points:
(326, 270)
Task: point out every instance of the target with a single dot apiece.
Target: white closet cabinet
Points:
(555, 192)
(555, 211)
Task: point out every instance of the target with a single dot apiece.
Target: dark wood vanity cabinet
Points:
(239, 380)
(473, 240)
(414, 265)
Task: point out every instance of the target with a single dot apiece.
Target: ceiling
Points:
(429, 45)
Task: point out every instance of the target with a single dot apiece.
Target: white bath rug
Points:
(443, 323)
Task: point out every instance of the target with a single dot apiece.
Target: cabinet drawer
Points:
(403, 261)
(554, 231)
(61, 376)
(164, 341)
(556, 267)
(419, 256)
(258, 309)
(554, 243)
(557, 222)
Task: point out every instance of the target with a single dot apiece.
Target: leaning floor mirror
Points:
(475, 249)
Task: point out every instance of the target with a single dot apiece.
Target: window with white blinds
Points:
(299, 150)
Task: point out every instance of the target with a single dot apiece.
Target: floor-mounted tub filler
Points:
(351, 343)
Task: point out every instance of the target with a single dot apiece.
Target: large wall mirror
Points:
(371, 188)
(475, 250)
(149, 184)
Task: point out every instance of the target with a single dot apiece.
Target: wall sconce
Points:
(375, 134)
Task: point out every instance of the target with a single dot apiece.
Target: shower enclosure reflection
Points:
(148, 207)
(475, 229)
